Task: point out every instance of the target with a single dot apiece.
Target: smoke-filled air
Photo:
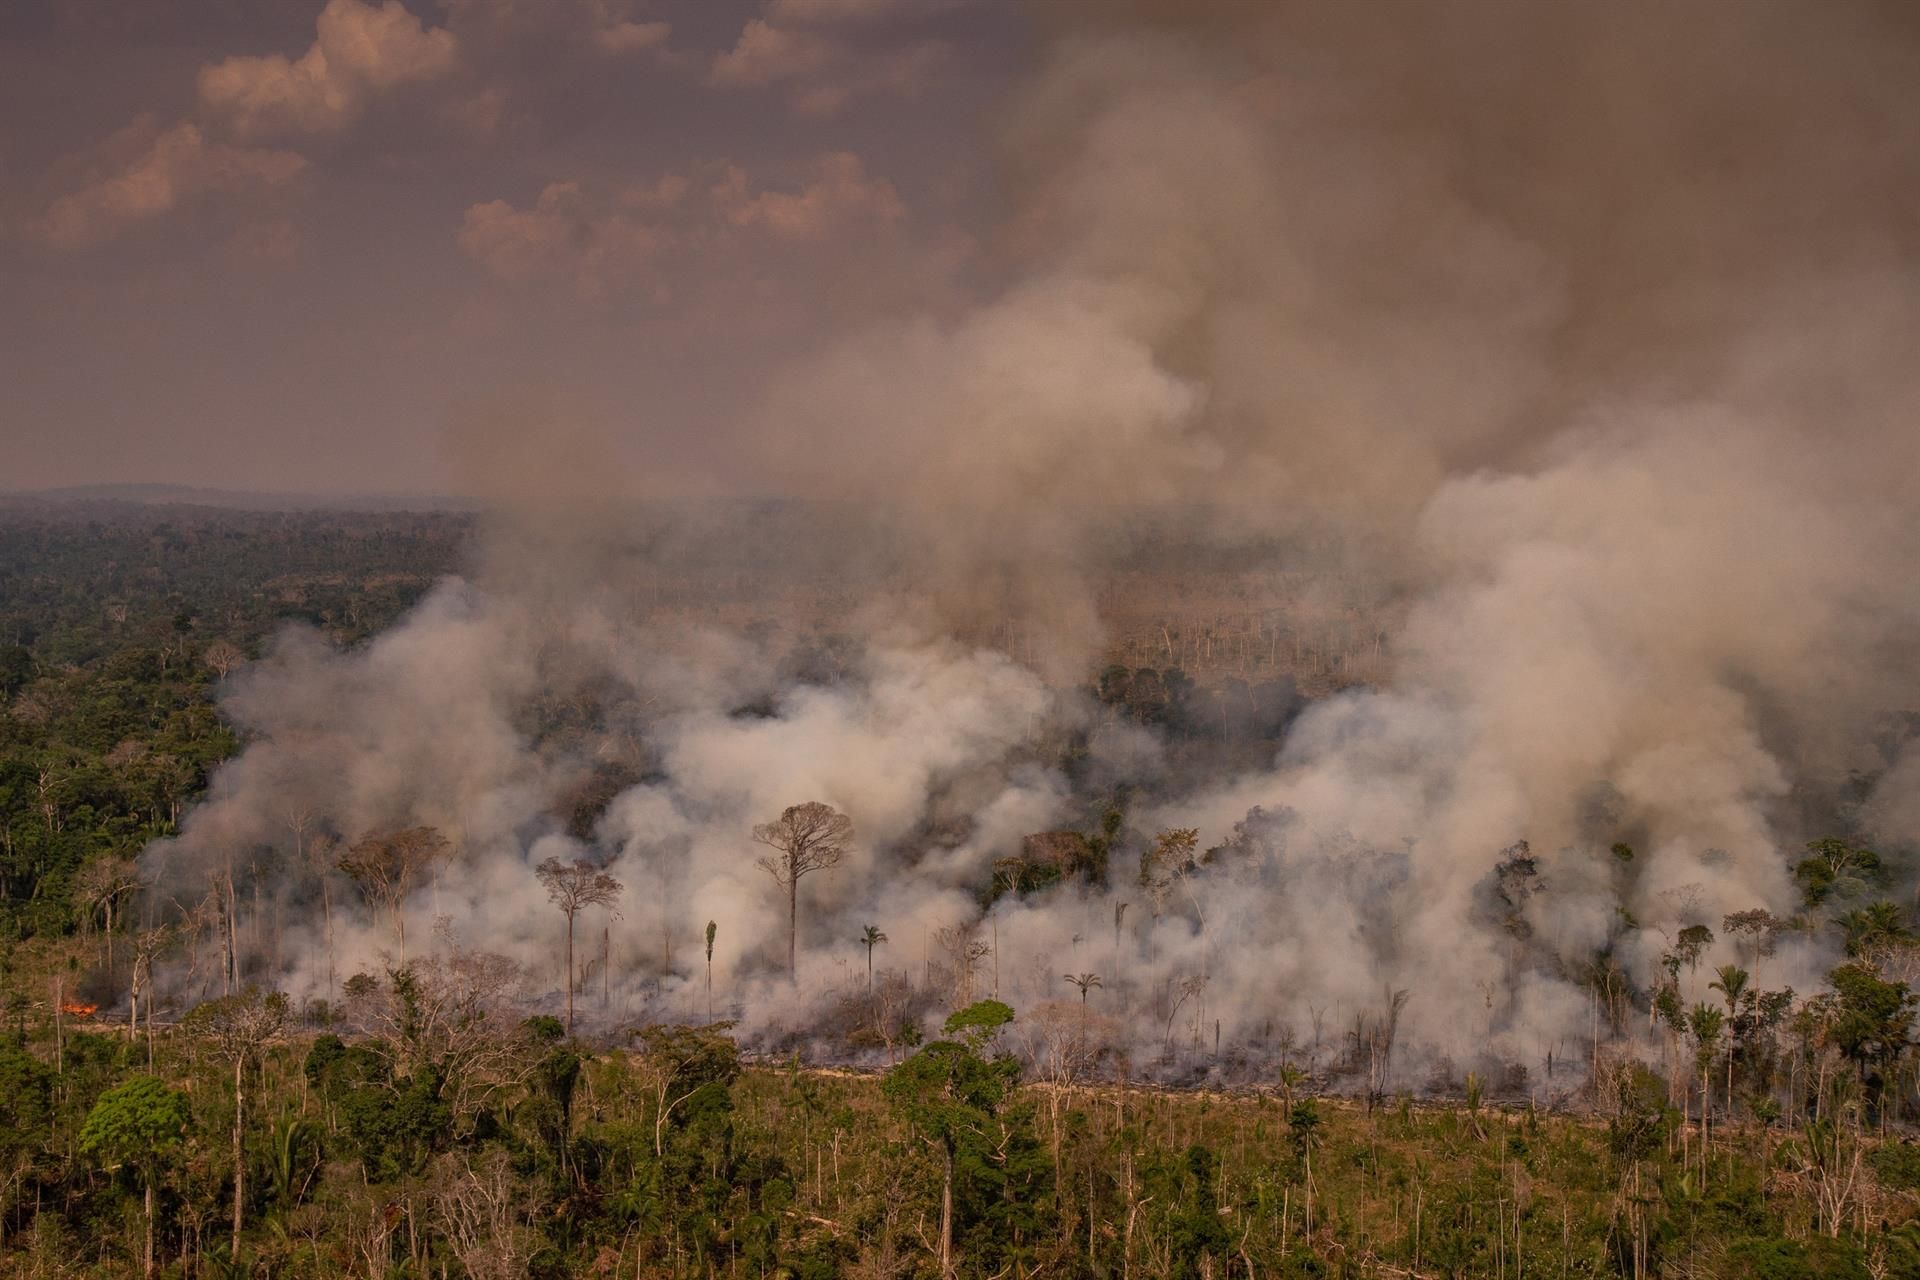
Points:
(1540, 377)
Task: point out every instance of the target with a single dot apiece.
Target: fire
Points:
(78, 1010)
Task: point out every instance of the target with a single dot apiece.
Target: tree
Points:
(237, 1028)
(572, 887)
(136, 1124)
(949, 1091)
(1835, 868)
(322, 857)
(805, 838)
(388, 866)
(1705, 1023)
(682, 1064)
(223, 656)
(1086, 982)
(1692, 944)
(1732, 985)
(100, 885)
(1869, 928)
(1873, 1019)
(713, 930)
(871, 937)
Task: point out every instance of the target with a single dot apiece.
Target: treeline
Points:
(437, 1134)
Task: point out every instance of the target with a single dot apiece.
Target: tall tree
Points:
(390, 865)
(949, 1091)
(237, 1028)
(573, 887)
(713, 928)
(136, 1124)
(805, 838)
(871, 937)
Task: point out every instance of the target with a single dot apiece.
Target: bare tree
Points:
(965, 949)
(237, 1028)
(147, 944)
(322, 857)
(101, 884)
(573, 887)
(482, 1208)
(387, 866)
(806, 838)
(223, 656)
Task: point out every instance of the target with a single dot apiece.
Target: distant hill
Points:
(232, 499)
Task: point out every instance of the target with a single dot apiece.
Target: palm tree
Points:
(712, 929)
(1086, 982)
(1870, 926)
(1705, 1023)
(1732, 984)
(871, 937)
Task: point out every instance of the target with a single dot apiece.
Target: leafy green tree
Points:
(1873, 1018)
(1873, 926)
(1834, 868)
(237, 1028)
(137, 1124)
(949, 1092)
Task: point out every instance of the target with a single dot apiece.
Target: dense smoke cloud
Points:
(1592, 326)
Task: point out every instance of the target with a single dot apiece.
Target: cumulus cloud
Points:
(767, 54)
(566, 233)
(600, 242)
(632, 37)
(360, 52)
(840, 193)
(821, 72)
(146, 172)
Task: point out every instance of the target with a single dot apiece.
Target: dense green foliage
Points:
(116, 624)
(412, 1146)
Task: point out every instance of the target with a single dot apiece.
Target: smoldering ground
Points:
(1593, 327)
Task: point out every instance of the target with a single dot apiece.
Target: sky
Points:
(333, 246)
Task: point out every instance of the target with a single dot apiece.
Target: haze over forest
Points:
(1279, 505)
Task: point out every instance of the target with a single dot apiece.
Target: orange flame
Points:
(79, 1010)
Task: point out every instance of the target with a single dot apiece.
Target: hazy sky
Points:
(333, 245)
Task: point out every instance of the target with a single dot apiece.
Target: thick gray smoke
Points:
(1592, 324)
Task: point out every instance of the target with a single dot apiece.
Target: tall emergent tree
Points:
(805, 838)
(713, 928)
(237, 1028)
(390, 865)
(871, 937)
(135, 1124)
(572, 887)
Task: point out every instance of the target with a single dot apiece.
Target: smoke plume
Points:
(1585, 331)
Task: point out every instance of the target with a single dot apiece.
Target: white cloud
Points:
(359, 53)
(146, 173)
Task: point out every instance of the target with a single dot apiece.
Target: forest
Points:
(173, 1102)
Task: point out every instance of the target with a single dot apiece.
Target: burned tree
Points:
(805, 838)
(572, 887)
(388, 866)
